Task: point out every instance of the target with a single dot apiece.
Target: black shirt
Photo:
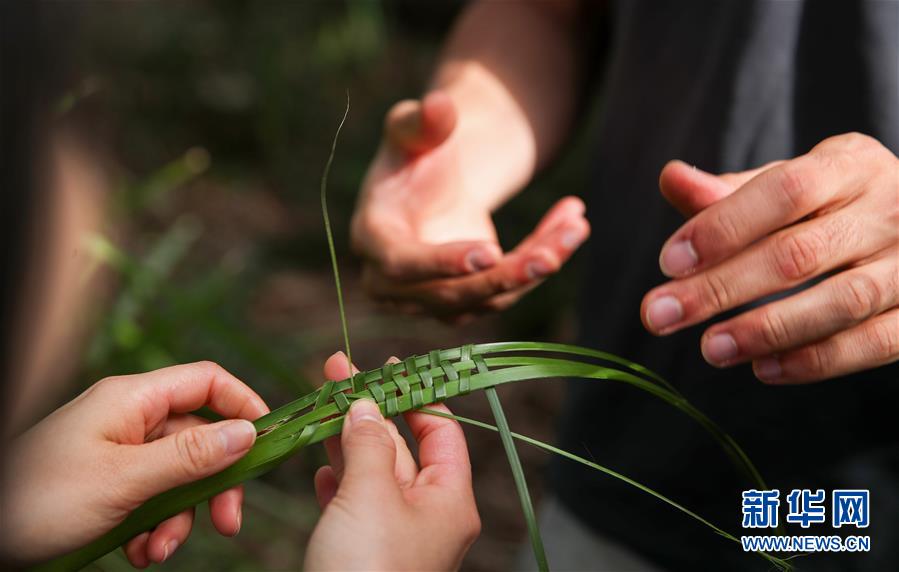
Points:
(724, 85)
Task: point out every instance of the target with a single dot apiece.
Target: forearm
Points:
(512, 69)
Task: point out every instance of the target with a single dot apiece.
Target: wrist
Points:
(497, 148)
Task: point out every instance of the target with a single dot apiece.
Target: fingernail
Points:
(168, 549)
(719, 349)
(664, 312)
(678, 258)
(571, 239)
(237, 436)
(767, 369)
(537, 269)
(479, 259)
(365, 410)
(239, 520)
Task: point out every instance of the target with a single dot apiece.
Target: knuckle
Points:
(818, 359)
(472, 525)
(209, 367)
(797, 255)
(370, 434)
(194, 452)
(109, 384)
(852, 140)
(773, 330)
(883, 338)
(717, 293)
(793, 187)
(724, 230)
(500, 282)
(861, 297)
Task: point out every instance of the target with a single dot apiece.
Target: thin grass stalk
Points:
(521, 485)
(330, 236)
(780, 563)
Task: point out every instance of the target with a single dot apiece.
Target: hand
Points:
(830, 215)
(79, 472)
(423, 223)
(381, 511)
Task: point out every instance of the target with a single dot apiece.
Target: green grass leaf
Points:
(781, 564)
(521, 485)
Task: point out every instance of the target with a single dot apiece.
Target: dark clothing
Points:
(724, 85)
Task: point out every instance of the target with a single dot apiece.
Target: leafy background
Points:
(213, 120)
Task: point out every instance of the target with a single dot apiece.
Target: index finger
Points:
(771, 200)
(442, 450)
(188, 387)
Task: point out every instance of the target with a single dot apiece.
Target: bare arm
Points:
(513, 71)
(502, 101)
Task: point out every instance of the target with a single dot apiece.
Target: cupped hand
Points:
(423, 222)
(79, 472)
(828, 219)
(384, 511)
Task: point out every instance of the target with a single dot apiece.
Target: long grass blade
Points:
(778, 562)
(330, 236)
(521, 485)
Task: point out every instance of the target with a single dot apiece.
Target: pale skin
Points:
(501, 103)
(374, 494)
(79, 472)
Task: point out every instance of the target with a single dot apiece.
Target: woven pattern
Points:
(423, 379)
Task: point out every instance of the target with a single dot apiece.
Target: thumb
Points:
(187, 456)
(416, 127)
(369, 452)
(689, 189)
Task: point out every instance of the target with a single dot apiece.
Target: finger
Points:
(779, 262)
(775, 198)
(178, 422)
(506, 299)
(369, 452)
(185, 388)
(325, 485)
(872, 343)
(414, 127)
(561, 231)
(337, 367)
(224, 508)
(225, 511)
(566, 209)
(524, 267)
(404, 260)
(691, 190)
(838, 303)
(169, 535)
(405, 470)
(335, 455)
(184, 457)
(442, 449)
(136, 550)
